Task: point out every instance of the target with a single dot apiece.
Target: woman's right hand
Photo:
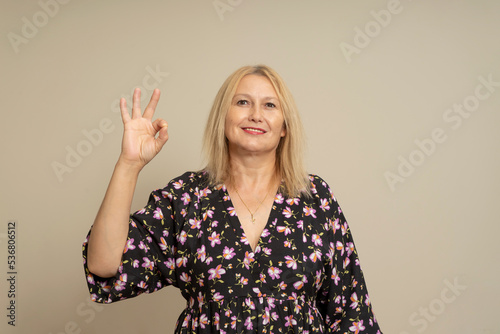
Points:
(142, 138)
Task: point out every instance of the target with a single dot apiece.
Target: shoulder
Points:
(320, 188)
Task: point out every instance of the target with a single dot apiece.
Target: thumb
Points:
(162, 138)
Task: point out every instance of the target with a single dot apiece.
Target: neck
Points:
(253, 172)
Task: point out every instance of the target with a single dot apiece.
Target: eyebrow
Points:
(249, 96)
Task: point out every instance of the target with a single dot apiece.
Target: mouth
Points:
(255, 131)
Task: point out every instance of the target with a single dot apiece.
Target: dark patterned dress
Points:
(303, 276)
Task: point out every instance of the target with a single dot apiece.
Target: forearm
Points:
(110, 228)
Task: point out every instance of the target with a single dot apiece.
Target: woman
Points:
(254, 243)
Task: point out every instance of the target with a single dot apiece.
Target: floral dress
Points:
(303, 276)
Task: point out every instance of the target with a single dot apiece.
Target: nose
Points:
(255, 113)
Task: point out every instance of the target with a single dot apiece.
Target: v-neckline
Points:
(235, 220)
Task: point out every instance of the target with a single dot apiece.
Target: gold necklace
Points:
(251, 213)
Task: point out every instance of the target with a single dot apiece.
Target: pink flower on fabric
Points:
(147, 263)
(274, 272)
(216, 272)
(324, 204)
(290, 262)
(357, 327)
(157, 214)
(214, 239)
(278, 199)
(287, 212)
(309, 211)
(293, 201)
(185, 198)
(228, 253)
(129, 245)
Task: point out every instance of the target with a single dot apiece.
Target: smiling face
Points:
(254, 123)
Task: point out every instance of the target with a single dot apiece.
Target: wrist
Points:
(128, 166)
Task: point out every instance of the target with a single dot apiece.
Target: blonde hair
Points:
(289, 153)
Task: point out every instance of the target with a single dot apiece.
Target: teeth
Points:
(254, 130)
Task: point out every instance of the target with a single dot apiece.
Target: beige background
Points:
(362, 113)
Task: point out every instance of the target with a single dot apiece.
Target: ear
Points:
(283, 130)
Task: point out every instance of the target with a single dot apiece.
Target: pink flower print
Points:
(208, 214)
(284, 229)
(217, 296)
(129, 245)
(343, 227)
(157, 214)
(250, 303)
(156, 198)
(244, 281)
(354, 300)
(214, 239)
(216, 272)
(170, 264)
(300, 224)
(178, 184)
(278, 199)
(90, 279)
(335, 277)
(232, 211)
(357, 327)
(316, 239)
(287, 244)
(309, 211)
(290, 262)
(203, 320)
(163, 244)
(262, 277)
(185, 277)
(141, 211)
(233, 322)
(205, 192)
(195, 223)
(182, 237)
(209, 259)
(346, 262)
(228, 253)
(340, 247)
(349, 248)
(315, 255)
(282, 285)
(121, 282)
(185, 198)
(290, 321)
(324, 204)
(147, 263)
(164, 194)
(293, 201)
(201, 253)
(181, 262)
(287, 212)
(183, 212)
(143, 246)
(267, 251)
(135, 263)
(226, 198)
(248, 259)
(274, 272)
(248, 323)
(142, 285)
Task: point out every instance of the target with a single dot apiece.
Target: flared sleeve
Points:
(343, 298)
(148, 261)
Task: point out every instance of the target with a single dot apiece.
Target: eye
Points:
(270, 105)
(242, 102)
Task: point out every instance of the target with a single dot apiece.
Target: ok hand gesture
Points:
(142, 138)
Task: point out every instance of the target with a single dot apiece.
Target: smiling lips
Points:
(254, 131)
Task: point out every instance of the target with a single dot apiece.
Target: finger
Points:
(162, 137)
(136, 103)
(160, 124)
(153, 102)
(124, 110)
